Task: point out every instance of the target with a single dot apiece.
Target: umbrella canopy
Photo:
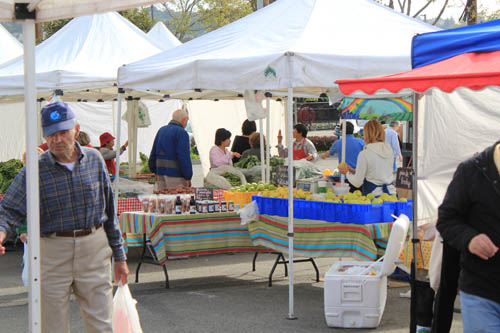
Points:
(305, 44)
(9, 46)
(163, 37)
(472, 70)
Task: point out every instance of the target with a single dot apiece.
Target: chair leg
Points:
(316, 269)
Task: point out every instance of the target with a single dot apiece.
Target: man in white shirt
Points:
(391, 137)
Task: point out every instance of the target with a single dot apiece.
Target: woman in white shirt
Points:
(374, 168)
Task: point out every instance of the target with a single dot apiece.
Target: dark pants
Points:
(447, 292)
(352, 188)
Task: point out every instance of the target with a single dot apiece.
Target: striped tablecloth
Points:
(319, 238)
(181, 235)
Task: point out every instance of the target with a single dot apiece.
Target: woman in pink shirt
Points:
(219, 154)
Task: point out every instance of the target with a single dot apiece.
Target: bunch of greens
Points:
(276, 161)
(247, 162)
(8, 171)
(145, 166)
(233, 179)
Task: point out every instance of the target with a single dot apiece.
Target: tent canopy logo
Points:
(270, 73)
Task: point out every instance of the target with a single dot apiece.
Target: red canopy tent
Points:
(472, 70)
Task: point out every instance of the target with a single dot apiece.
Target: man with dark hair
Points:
(170, 158)
(303, 148)
(469, 221)
(241, 142)
(353, 146)
(78, 226)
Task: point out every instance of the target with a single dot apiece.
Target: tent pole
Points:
(117, 144)
(291, 314)
(268, 145)
(32, 180)
(344, 131)
(262, 149)
(414, 240)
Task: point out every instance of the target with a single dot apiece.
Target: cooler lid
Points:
(395, 244)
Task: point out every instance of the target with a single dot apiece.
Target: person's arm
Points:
(152, 156)
(310, 150)
(184, 156)
(452, 216)
(357, 178)
(214, 157)
(107, 154)
(124, 147)
(282, 152)
(111, 226)
(13, 208)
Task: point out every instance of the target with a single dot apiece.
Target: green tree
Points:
(190, 18)
(50, 28)
(141, 17)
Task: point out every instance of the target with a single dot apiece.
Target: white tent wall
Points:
(163, 37)
(452, 128)
(94, 119)
(207, 116)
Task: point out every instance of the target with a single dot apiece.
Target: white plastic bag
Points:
(249, 213)
(24, 274)
(125, 315)
(253, 104)
(214, 178)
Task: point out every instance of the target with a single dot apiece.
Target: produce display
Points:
(233, 179)
(247, 162)
(276, 161)
(179, 189)
(9, 171)
(253, 187)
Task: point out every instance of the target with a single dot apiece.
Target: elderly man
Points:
(392, 138)
(78, 227)
(170, 157)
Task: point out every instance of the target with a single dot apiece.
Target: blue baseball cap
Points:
(57, 117)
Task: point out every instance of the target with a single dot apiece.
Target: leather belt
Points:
(77, 233)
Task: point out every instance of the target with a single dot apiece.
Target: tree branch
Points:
(440, 13)
(423, 8)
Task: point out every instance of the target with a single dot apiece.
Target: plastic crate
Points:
(388, 209)
(404, 207)
(358, 213)
(376, 213)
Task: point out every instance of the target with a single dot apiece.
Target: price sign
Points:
(404, 178)
(202, 193)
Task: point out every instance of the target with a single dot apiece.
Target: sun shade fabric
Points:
(308, 43)
(48, 10)
(84, 54)
(433, 47)
(164, 39)
(472, 70)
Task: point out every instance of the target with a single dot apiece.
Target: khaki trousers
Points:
(163, 182)
(81, 264)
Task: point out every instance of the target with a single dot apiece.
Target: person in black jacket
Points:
(469, 221)
(241, 142)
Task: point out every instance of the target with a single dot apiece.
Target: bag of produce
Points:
(224, 177)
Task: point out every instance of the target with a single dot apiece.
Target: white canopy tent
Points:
(163, 37)
(9, 46)
(83, 55)
(31, 12)
(285, 48)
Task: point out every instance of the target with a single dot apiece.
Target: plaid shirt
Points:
(69, 200)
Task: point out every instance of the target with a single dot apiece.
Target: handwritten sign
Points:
(202, 193)
(281, 175)
(404, 178)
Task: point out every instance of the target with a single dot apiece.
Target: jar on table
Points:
(223, 206)
(211, 206)
(204, 207)
(216, 206)
(230, 206)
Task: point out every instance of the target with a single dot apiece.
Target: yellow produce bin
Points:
(239, 198)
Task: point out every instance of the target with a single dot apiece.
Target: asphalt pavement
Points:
(214, 293)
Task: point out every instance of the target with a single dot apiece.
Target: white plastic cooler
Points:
(358, 300)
